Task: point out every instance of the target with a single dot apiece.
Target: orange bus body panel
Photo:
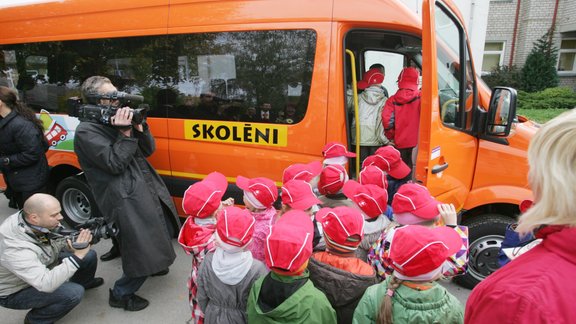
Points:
(82, 19)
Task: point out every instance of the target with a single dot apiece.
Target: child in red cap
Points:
(372, 201)
(337, 271)
(371, 174)
(301, 171)
(413, 205)
(401, 114)
(201, 202)
(370, 104)
(388, 159)
(336, 153)
(417, 255)
(259, 197)
(330, 184)
(286, 295)
(307, 172)
(297, 194)
(227, 274)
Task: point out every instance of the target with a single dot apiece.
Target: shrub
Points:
(539, 71)
(551, 98)
(506, 76)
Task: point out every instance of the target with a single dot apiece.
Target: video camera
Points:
(103, 113)
(98, 227)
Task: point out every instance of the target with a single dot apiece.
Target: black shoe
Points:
(110, 255)
(161, 273)
(132, 303)
(95, 282)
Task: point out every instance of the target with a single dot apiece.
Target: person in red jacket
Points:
(401, 114)
(539, 285)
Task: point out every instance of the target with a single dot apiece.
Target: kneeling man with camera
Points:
(39, 268)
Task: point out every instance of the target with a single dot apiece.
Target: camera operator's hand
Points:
(138, 127)
(123, 120)
(85, 236)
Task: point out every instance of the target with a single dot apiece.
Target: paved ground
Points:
(168, 295)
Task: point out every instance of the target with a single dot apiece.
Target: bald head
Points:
(37, 203)
(42, 210)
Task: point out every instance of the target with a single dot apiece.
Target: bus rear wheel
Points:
(78, 204)
(486, 233)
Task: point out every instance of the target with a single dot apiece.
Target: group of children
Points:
(320, 258)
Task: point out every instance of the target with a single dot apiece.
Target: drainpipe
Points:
(514, 33)
(554, 20)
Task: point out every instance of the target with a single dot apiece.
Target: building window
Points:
(567, 56)
(493, 56)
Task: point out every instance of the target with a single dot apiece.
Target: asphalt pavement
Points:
(168, 294)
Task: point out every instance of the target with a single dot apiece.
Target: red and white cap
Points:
(393, 165)
(371, 174)
(343, 226)
(371, 199)
(235, 226)
(335, 149)
(377, 161)
(300, 171)
(415, 199)
(203, 198)
(332, 179)
(298, 194)
(289, 244)
(419, 250)
(262, 189)
(371, 77)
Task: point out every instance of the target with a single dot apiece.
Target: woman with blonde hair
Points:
(538, 286)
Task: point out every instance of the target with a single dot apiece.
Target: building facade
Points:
(514, 25)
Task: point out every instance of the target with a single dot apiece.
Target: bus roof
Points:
(84, 19)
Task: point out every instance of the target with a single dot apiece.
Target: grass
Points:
(540, 115)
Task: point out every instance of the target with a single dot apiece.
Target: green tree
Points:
(539, 71)
(507, 76)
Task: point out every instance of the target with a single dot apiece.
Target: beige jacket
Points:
(25, 261)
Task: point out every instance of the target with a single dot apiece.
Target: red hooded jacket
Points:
(401, 118)
(537, 287)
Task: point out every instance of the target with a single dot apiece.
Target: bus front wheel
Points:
(78, 204)
(486, 233)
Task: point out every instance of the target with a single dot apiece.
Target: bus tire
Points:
(486, 233)
(77, 200)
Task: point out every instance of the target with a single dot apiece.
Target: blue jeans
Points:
(126, 286)
(50, 307)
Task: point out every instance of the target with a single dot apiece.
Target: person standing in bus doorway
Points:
(383, 70)
(401, 114)
(22, 148)
(128, 192)
(370, 104)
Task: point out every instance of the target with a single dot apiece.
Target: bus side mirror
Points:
(501, 112)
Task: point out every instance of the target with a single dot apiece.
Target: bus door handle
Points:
(439, 168)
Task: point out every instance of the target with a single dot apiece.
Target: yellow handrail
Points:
(355, 96)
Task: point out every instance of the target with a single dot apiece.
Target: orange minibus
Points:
(248, 87)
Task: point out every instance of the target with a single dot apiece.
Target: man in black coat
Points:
(128, 192)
